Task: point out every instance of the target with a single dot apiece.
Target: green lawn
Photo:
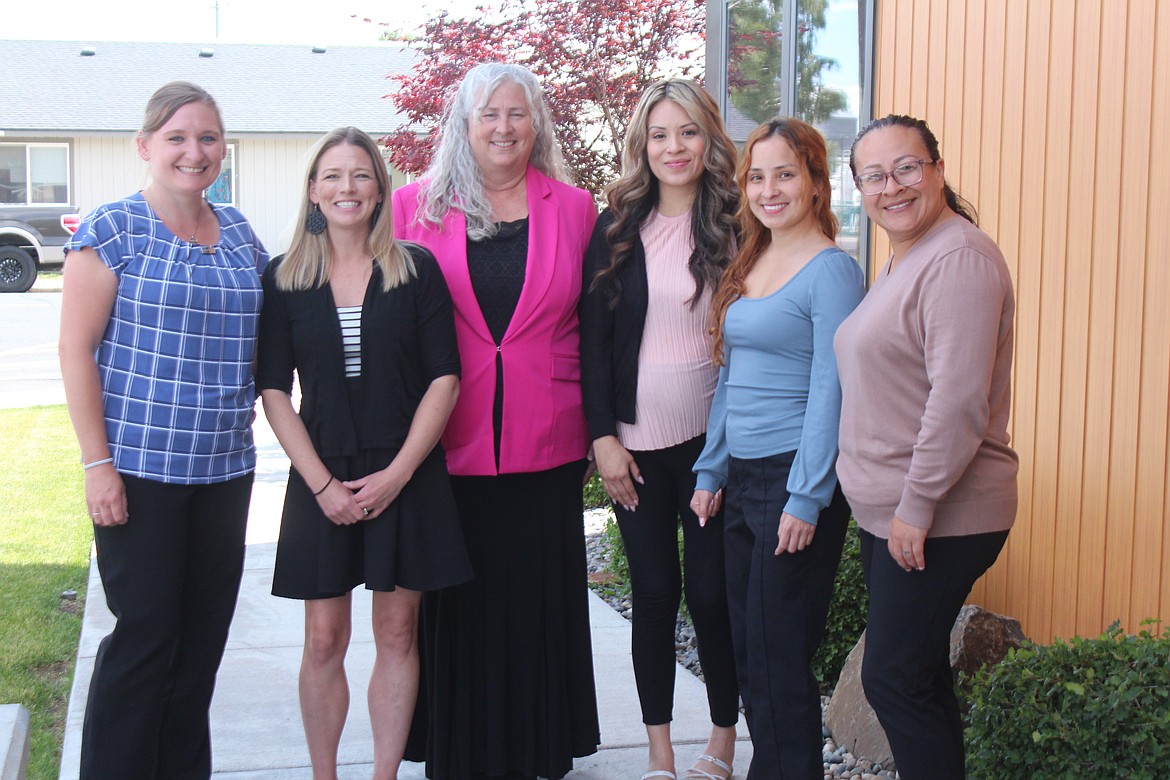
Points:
(44, 550)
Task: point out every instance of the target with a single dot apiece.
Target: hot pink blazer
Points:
(544, 423)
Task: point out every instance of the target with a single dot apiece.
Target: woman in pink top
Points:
(509, 679)
(925, 366)
(655, 258)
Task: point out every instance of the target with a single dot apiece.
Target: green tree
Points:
(814, 101)
(755, 52)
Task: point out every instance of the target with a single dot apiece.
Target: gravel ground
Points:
(839, 763)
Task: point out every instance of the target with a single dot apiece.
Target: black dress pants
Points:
(171, 575)
(779, 604)
(906, 670)
(650, 536)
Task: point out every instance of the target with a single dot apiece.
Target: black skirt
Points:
(416, 543)
(508, 662)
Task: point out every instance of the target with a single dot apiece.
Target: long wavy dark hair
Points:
(634, 194)
(955, 201)
(808, 145)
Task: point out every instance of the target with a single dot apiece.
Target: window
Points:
(34, 174)
(223, 191)
(825, 79)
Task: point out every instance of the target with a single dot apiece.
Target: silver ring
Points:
(905, 552)
(365, 513)
(95, 514)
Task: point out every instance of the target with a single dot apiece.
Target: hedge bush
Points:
(1084, 708)
(594, 494)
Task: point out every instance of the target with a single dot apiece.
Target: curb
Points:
(13, 742)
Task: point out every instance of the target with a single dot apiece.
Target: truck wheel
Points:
(18, 270)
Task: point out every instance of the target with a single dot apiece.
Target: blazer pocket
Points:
(566, 367)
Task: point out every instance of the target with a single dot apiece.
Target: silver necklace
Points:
(166, 219)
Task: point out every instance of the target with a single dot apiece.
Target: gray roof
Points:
(50, 85)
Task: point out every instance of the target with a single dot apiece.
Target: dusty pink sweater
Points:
(925, 366)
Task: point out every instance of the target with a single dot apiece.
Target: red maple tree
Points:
(593, 57)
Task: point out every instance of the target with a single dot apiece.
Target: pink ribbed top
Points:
(676, 379)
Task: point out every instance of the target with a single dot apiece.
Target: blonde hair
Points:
(634, 194)
(309, 259)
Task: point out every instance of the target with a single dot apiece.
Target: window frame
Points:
(28, 172)
(717, 56)
(230, 164)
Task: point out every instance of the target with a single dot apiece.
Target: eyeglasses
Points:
(906, 174)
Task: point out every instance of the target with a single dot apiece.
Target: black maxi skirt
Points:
(507, 685)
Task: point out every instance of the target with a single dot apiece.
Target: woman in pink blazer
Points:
(509, 672)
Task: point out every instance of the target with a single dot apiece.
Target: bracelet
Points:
(96, 463)
(327, 484)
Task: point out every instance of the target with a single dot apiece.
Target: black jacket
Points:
(408, 341)
(611, 339)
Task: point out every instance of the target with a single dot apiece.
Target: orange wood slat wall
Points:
(1054, 120)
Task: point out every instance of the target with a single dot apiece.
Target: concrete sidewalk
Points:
(256, 726)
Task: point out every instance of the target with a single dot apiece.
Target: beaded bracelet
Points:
(327, 484)
(96, 463)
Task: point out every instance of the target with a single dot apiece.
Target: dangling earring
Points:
(315, 222)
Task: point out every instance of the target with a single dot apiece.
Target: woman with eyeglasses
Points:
(925, 366)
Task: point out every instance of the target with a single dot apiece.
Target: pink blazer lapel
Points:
(452, 257)
(543, 227)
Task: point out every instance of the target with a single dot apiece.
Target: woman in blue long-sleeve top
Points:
(772, 438)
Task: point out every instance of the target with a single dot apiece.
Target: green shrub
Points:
(616, 562)
(1084, 708)
(847, 613)
(594, 493)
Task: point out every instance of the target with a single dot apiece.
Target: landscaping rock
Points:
(982, 638)
(978, 638)
(849, 717)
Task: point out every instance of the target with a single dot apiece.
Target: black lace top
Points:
(497, 267)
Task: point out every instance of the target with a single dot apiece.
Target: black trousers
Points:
(779, 604)
(650, 536)
(171, 576)
(906, 670)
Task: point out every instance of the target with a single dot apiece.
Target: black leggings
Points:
(650, 535)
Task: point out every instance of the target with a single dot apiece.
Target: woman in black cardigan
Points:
(367, 324)
(654, 260)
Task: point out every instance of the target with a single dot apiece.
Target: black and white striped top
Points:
(350, 318)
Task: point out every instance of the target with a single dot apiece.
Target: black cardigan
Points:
(408, 341)
(611, 339)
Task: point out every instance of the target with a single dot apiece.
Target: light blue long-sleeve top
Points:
(778, 389)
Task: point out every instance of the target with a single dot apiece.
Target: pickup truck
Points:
(30, 238)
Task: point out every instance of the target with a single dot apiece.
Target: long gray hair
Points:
(454, 179)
